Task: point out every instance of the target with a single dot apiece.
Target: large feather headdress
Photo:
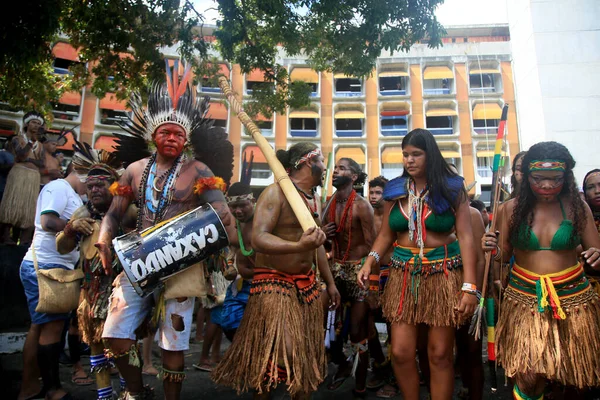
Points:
(92, 162)
(170, 102)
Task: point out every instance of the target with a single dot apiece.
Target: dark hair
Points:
(69, 168)
(514, 186)
(586, 176)
(379, 181)
(438, 170)
(32, 113)
(526, 200)
(238, 189)
(478, 204)
(356, 169)
(289, 157)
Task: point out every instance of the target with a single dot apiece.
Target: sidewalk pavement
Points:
(198, 384)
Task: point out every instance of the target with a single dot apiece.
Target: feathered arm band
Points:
(121, 190)
(211, 183)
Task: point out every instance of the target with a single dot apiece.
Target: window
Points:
(486, 118)
(484, 166)
(438, 80)
(439, 125)
(394, 125)
(347, 127)
(392, 162)
(392, 85)
(260, 167)
(347, 86)
(482, 83)
(112, 117)
(210, 85)
(308, 76)
(303, 127)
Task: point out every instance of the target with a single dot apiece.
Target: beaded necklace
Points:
(345, 219)
(94, 213)
(417, 210)
(157, 207)
(246, 253)
(305, 197)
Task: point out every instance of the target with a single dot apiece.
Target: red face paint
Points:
(170, 140)
(546, 191)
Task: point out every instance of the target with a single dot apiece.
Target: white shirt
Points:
(57, 197)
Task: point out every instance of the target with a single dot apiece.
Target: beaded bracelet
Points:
(69, 231)
(375, 255)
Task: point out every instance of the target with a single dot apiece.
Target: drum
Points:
(153, 255)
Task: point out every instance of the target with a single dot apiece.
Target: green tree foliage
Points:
(119, 43)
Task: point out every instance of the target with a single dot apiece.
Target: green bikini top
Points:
(436, 223)
(564, 238)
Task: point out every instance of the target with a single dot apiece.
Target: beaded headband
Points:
(547, 165)
(241, 197)
(306, 157)
(95, 163)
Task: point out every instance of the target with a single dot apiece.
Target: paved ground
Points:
(198, 384)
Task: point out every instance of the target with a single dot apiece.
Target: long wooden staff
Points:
(281, 177)
(476, 323)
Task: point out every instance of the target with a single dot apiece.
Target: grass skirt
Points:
(423, 290)
(281, 309)
(555, 333)
(20, 197)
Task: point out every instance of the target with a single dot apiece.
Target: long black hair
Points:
(586, 176)
(526, 200)
(438, 170)
(514, 185)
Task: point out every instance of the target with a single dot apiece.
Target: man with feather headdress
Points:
(99, 169)
(165, 184)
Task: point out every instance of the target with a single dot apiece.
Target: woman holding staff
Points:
(432, 277)
(549, 325)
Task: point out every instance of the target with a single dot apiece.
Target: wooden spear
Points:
(281, 177)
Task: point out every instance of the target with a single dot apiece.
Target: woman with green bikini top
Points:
(432, 278)
(549, 324)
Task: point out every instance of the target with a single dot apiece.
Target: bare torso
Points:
(287, 228)
(351, 242)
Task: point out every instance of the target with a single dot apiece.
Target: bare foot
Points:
(149, 370)
(30, 392)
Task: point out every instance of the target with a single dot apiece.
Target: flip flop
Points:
(387, 392)
(81, 380)
(203, 367)
(337, 381)
(145, 372)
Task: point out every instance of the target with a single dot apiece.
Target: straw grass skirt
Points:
(423, 291)
(280, 339)
(555, 334)
(20, 197)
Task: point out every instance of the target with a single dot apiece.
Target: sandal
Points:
(150, 371)
(81, 380)
(206, 367)
(337, 381)
(387, 391)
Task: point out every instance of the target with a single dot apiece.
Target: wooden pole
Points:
(281, 177)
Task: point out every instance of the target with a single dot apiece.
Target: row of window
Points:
(391, 160)
(488, 83)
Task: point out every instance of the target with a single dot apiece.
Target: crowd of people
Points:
(411, 255)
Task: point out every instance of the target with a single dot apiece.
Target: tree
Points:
(119, 43)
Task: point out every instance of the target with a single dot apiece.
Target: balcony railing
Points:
(348, 133)
(489, 89)
(394, 131)
(441, 131)
(437, 91)
(348, 94)
(393, 92)
(65, 115)
(208, 89)
(61, 71)
(303, 132)
(490, 130)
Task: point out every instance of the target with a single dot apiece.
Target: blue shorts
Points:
(30, 284)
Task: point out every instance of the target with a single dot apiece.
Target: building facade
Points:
(456, 91)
